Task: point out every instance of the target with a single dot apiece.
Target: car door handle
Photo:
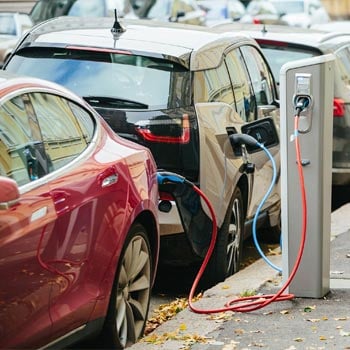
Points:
(110, 180)
(108, 177)
(61, 201)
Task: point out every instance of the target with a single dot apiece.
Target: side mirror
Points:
(9, 194)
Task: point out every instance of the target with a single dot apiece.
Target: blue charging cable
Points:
(238, 140)
(169, 177)
(268, 192)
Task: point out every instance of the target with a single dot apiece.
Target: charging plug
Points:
(237, 140)
(164, 177)
(301, 103)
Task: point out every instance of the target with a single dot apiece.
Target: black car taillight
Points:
(338, 107)
(165, 129)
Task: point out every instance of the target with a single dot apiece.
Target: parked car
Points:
(182, 11)
(282, 44)
(78, 222)
(262, 12)
(46, 9)
(12, 26)
(221, 11)
(178, 90)
(333, 26)
(301, 13)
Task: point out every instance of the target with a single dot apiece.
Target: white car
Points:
(219, 11)
(301, 13)
(12, 26)
(45, 9)
(333, 26)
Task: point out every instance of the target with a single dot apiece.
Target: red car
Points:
(79, 236)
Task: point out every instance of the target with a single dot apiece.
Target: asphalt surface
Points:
(300, 323)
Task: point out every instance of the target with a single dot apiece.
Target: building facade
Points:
(15, 5)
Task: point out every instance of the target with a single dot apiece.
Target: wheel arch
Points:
(149, 222)
(243, 185)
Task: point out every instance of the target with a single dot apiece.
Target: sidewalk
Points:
(301, 323)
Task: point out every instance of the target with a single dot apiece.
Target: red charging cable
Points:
(251, 303)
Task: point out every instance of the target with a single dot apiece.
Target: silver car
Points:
(282, 44)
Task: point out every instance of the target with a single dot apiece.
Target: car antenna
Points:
(117, 28)
(264, 30)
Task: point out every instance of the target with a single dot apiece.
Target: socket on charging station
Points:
(303, 95)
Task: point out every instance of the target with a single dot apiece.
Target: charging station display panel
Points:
(307, 88)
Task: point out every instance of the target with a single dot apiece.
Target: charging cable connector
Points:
(164, 177)
(301, 103)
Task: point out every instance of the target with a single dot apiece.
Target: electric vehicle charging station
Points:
(310, 80)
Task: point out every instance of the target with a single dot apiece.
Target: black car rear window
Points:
(148, 81)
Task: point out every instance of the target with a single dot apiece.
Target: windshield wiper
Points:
(115, 102)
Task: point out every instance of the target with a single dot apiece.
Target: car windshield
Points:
(7, 25)
(147, 81)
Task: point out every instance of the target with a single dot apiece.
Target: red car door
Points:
(89, 194)
(26, 278)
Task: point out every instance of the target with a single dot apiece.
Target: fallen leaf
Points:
(221, 317)
(231, 346)
(309, 308)
(183, 327)
(176, 335)
(257, 345)
(322, 337)
(167, 311)
(313, 320)
(284, 312)
(299, 340)
(344, 334)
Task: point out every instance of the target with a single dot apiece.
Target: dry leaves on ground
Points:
(167, 311)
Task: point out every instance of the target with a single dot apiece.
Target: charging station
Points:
(310, 80)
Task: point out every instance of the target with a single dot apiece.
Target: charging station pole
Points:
(313, 78)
